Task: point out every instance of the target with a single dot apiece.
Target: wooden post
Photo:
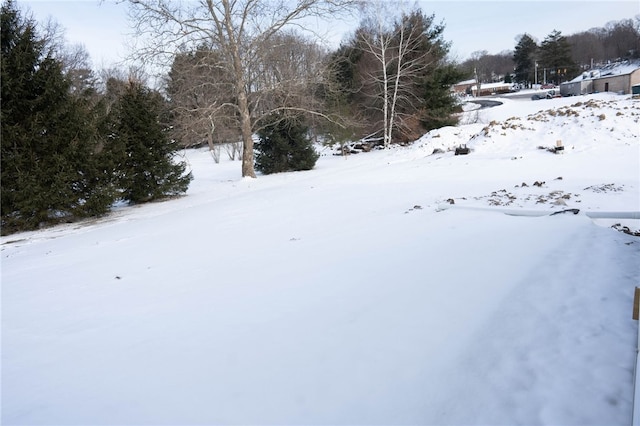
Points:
(635, 412)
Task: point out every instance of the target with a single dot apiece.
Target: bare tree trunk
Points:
(212, 148)
(215, 153)
(396, 84)
(247, 136)
(378, 45)
(388, 121)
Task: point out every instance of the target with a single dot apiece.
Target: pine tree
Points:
(142, 152)
(524, 58)
(555, 56)
(440, 105)
(432, 79)
(49, 172)
(284, 146)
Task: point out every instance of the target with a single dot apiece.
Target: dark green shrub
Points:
(284, 146)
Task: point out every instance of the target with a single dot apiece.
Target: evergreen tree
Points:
(344, 72)
(336, 92)
(284, 146)
(555, 56)
(142, 153)
(440, 104)
(49, 171)
(524, 57)
(430, 84)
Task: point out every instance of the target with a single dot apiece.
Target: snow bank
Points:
(342, 295)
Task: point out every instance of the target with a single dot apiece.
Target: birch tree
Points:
(404, 52)
(238, 30)
(376, 40)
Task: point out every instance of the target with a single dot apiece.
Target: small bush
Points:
(284, 146)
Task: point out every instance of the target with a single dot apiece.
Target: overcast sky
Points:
(470, 26)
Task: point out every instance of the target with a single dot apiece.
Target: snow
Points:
(344, 295)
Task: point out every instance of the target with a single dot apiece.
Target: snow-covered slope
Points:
(344, 295)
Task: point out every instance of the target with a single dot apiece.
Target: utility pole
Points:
(475, 71)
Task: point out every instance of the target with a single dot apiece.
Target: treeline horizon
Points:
(613, 42)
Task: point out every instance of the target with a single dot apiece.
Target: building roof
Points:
(494, 85)
(608, 70)
(466, 82)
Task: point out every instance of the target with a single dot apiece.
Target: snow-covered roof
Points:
(472, 81)
(483, 85)
(608, 70)
(494, 85)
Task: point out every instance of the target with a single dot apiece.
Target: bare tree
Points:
(489, 68)
(623, 39)
(615, 41)
(588, 47)
(239, 30)
(78, 68)
(377, 41)
(284, 77)
(200, 94)
(75, 60)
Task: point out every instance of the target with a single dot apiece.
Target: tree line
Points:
(75, 143)
(558, 57)
(388, 82)
(241, 74)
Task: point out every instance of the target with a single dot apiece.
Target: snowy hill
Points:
(346, 294)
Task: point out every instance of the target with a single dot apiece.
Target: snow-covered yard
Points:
(346, 294)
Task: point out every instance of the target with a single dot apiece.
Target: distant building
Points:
(618, 77)
(470, 87)
(487, 89)
(464, 87)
